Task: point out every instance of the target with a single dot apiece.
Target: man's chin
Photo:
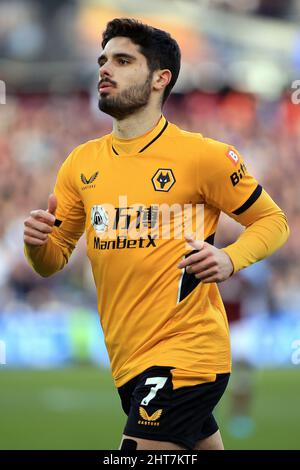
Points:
(118, 110)
(104, 105)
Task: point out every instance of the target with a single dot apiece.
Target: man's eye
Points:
(123, 61)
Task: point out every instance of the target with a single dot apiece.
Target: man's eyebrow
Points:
(116, 56)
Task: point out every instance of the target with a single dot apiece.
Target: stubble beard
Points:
(127, 102)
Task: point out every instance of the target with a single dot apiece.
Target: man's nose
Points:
(105, 70)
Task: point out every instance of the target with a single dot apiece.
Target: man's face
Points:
(125, 83)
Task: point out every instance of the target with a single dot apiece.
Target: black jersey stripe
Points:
(210, 239)
(151, 142)
(189, 282)
(251, 200)
(57, 222)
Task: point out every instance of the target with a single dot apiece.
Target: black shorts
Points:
(156, 411)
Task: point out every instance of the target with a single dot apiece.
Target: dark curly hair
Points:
(159, 48)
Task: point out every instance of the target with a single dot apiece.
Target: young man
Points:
(163, 319)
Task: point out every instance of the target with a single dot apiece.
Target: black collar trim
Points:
(151, 142)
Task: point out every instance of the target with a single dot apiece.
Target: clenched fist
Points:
(209, 264)
(40, 223)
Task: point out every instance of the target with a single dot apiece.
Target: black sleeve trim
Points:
(57, 222)
(251, 200)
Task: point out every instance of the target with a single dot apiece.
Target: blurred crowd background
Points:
(240, 59)
(37, 132)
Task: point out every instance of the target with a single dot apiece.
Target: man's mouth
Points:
(105, 86)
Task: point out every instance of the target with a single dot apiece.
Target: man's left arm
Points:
(266, 231)
(235, 192)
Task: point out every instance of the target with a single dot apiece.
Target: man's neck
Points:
(137, 124)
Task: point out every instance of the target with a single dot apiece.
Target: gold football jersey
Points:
(134, 199)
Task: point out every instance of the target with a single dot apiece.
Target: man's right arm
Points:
(51, 235)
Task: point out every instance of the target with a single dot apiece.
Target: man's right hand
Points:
(40, 223)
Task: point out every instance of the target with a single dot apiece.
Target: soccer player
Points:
(164, 322)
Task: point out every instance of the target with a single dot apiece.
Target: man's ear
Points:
(161, 78)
